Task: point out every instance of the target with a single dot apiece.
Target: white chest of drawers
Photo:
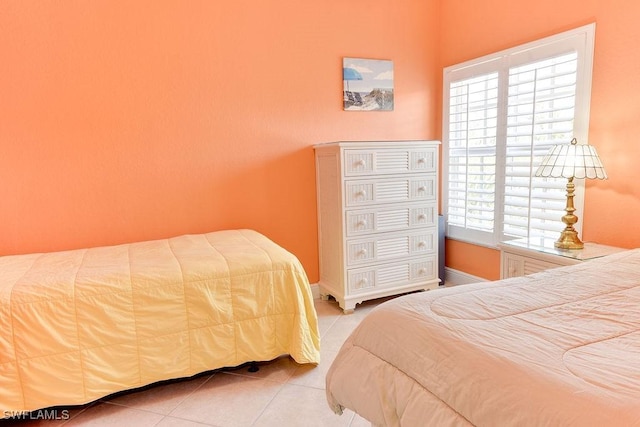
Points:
(377, 218)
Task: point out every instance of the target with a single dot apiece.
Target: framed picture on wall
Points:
(368, 84)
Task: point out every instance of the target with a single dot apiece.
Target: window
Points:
(501, 114)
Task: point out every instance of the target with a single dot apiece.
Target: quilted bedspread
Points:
(556, 348)
(82, 324)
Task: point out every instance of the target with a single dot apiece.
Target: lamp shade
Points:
(572, 161)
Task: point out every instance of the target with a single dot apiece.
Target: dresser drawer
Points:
(391, 275)
(516, 265)
(385, 247)
(372, 220)
(389, 161)
(370, 192)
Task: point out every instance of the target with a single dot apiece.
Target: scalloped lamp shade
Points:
(572, 161)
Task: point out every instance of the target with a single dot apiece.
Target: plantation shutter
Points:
(541, 110)
(473, 112)
(501, 115)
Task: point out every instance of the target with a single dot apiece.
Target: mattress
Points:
(78, 325)
(557, 348)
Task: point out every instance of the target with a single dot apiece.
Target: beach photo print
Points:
(368, 84)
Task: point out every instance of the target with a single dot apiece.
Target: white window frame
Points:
(580, 40)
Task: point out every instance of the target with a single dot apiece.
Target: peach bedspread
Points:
(82, 324)
(557, 348)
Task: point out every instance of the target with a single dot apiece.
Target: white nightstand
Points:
(526, 256)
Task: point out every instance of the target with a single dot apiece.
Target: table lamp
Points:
(571, 161)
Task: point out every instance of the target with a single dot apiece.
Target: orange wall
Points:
(132, 120)
(471, 29)
(125, 121)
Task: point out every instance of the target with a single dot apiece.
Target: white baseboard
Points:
(315, 291)
(457, 277)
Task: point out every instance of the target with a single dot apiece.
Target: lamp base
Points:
(569, 240)
(569, 237)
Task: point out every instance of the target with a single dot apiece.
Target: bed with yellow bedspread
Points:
(78, 325)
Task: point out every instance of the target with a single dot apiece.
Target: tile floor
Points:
(282, 393)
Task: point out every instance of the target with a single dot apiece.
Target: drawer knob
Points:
(422, 160)
(361, 162)
(362, 223)
(422, 216)
(362, 252)
(361, 193)
(422, 271)
(421, 244)
(422, 188)
(364, 281)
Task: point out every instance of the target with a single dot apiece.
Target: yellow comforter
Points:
(82, 324)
